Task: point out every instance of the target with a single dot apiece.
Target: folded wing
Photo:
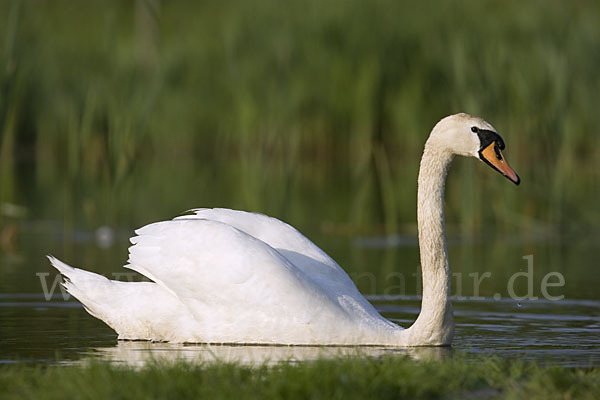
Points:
(237, 287)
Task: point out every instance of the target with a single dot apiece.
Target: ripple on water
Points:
(565, 332)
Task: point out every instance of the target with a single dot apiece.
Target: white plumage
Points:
(226, 276)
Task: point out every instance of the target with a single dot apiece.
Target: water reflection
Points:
(138, 353)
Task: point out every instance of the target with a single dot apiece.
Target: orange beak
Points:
(493, 157)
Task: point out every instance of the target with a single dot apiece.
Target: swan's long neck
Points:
(435, 324)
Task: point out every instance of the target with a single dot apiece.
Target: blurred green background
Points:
(121, 113)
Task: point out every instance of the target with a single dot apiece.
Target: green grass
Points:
(347, 378)
(265, 106)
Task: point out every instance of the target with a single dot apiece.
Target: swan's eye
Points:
(497, 151)
(474, 129)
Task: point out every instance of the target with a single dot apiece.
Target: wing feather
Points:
(286, 239)
(214, 268)
(248, 277)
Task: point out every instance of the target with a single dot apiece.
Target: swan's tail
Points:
(86, 286)
(135, 310)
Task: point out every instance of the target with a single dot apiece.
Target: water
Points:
(488, 321)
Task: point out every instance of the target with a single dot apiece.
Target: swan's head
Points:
(469, 136)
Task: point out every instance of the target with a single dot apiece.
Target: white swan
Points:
(225, 276)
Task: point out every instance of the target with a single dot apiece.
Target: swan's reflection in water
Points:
(140, 353)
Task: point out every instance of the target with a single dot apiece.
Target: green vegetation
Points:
(385, 378)
(279, 106)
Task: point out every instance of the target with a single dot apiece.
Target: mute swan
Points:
(225, 276)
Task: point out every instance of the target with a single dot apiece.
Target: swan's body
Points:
(225, 276)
